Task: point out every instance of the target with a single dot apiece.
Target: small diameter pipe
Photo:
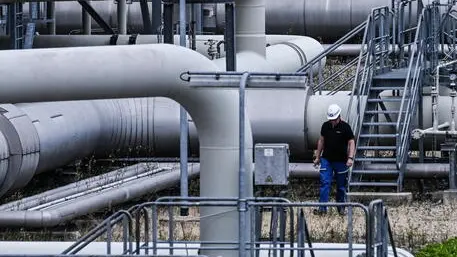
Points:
(87, 21)
(74, 188)
(435, 93)
(87, 204)
(453, 95)
(242, 211)
(97, 189)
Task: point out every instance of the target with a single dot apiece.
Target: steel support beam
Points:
(168, 23)
(156, 13)
(51, 15)
(102, 23)
(147, 26)
(230, 37)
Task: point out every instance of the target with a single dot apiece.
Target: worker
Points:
(337, 146)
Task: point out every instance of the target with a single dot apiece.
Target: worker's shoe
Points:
(341, 212)
(319, 212)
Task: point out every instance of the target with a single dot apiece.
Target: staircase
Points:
(376, 143)
(387, 97)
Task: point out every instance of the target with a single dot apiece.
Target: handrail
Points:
(404, 116)
(389, 230)
(106, 225)
(362, 83)
(335, 75)
(332, 48)
(355, 87)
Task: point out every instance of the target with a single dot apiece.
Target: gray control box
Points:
(271, 164)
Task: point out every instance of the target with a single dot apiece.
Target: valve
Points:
(417, 134)
(212, 51)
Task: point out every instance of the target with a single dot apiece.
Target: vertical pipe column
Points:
(87, 22)
(184, 126)
(51, 15)
(122, 16)
(198, 18)
(243, 191)
(250, 26)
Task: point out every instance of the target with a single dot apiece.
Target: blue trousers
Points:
(327, 170)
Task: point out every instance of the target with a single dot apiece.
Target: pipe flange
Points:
(4, 157)
(296, 48)
(23, 144)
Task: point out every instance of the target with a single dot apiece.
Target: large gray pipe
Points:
(150, 126)
(145, 126)
(134, 71)
(328, 19)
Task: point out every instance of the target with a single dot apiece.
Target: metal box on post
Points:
(271, 164)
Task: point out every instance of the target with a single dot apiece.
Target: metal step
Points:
(379, 123)
(382, 88)
(374, 184)
(378, 135)
(376, 147)
(375, 159)
(395, 74)
(375, 172)
(383, 112)
(384, 100)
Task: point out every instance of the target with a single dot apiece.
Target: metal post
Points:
(51, 17)
(192, 28)
(184, 126)
(122, 16)
(87, 22)
(242, 207)
(156, 13)
(452, 169)
(198, 19)
(147, 25)
(168, 23)
(230, 37)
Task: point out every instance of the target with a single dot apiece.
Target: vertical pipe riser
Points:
(250, 26)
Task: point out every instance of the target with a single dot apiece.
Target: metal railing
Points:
(449, 31)
(151, 228)
(123, 218)
(380, 230)
(320, 82)
(373, 56)
(410, 98)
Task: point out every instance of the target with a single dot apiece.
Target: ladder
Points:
(15, 25)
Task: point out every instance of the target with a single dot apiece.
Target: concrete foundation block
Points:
(403, 198)
(447, 196)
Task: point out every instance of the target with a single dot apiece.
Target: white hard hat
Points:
(333, 112)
